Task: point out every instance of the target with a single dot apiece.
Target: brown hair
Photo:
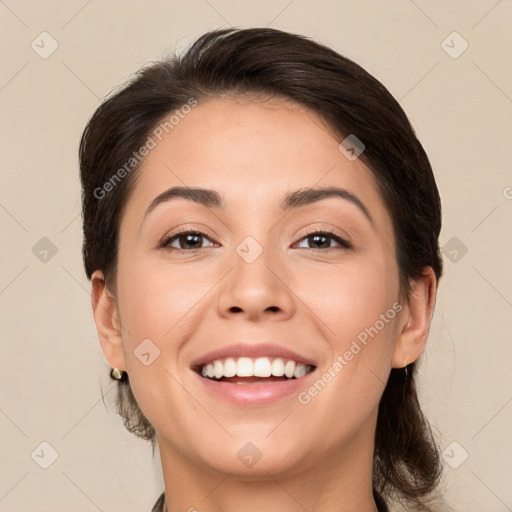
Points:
(272, 63)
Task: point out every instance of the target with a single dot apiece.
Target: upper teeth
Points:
(259, 367)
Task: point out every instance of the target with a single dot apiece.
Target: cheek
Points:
(349, 297)
(156, 298)
(160, 308)
(153, 310)
(356, 309)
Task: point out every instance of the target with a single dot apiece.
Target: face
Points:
(315, 283)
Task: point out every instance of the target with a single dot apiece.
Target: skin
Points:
(316, 456)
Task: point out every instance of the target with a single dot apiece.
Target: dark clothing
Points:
(381, 504)
(159, 505)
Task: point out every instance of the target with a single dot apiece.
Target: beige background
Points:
(52, 370)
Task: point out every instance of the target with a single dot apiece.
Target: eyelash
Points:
(345, 244)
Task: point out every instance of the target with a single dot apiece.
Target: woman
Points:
(261, 233)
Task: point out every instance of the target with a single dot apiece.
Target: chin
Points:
(253, 459)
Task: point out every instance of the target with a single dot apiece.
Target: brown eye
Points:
(324, 239)
(186, 241)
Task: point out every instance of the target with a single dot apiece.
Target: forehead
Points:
(253, 152)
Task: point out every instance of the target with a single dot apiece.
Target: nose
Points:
(256, 289)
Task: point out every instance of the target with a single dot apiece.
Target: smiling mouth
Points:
(246, 370)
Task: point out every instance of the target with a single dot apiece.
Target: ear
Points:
(415, 321)
(107, 322)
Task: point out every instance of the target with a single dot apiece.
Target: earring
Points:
(118, 374)
(405, 368)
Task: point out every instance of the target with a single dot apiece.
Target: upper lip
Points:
(253, 350)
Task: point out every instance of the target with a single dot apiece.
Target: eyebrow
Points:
(302, 197)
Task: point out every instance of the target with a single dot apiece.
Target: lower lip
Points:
(255, 393)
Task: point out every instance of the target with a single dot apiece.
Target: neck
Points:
(340, 482)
